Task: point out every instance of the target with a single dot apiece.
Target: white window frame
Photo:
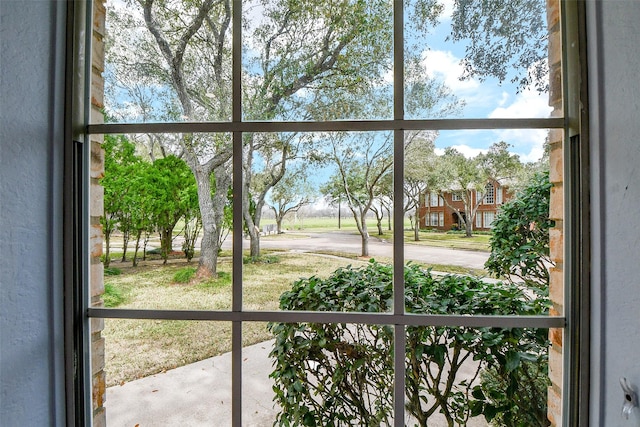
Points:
(489, 195)
(487, 218)
(238, 315)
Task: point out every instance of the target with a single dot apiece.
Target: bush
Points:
(520, 239)
(184, 275)
(112, 296)
(338, 374)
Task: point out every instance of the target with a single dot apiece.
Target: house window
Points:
(488, 218)
(251, 111)
(488, 194)
(499, 191)
(434, 200)
(478, 219)
(435, 219)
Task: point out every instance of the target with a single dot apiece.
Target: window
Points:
(434, 200)
(499, 195)
(489, 194)
(478, 219)
(235, 115)
(488, 218)
(434, 219)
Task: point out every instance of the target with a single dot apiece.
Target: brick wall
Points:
(556, 235)
(95, 211)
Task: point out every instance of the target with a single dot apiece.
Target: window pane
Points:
(465, 167)
(175, 67)
(319, 202)
(167, 372)
(465, 376)
(317, 60)
(476, 59)
(333, 374)
(258, 406)
(166, 234)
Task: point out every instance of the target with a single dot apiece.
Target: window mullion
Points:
(236, 333)
(398, 213)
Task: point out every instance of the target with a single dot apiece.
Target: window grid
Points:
(398, 318)
(489, 194)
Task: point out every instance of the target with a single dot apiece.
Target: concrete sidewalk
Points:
(198, 394)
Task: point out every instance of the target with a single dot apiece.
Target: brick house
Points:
(436, 210)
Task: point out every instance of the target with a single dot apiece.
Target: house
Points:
(440, 211)
(36, 385)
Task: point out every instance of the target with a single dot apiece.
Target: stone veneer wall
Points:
(95, 212)
(556, 213)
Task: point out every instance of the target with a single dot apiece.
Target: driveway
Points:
(350, 242)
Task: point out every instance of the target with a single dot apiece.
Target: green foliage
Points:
(263, 259)
(517, 397)
(504, 38)
(520, 239)
(112, 271)
(338, 374)
(184, 275)
(113, 296)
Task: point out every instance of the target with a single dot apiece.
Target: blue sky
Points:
(487, 99)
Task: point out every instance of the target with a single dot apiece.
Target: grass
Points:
(139, 348)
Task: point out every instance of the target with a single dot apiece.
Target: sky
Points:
(487, 99)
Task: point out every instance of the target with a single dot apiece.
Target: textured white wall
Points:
(614, 82)
(31, 338)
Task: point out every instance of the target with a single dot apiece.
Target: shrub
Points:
(338, 374)
(112, 296)
(184, 275)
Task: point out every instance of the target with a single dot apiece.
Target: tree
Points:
(362, 161)
(419, 173)
(520, 238)
(469, 177)
(120, 164)
(291, 193)
(171, 190)
(505, 37)
(306, 57)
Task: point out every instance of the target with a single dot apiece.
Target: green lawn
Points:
(138, 348)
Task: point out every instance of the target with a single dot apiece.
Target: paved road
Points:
(351, 243)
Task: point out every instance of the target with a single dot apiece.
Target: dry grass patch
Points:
(138, 348)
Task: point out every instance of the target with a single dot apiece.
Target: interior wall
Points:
(614, 99)
(31, 136)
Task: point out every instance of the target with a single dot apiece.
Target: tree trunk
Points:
(365, 243)
(416, 228)
(209, 245)
(279, 225)
(135, 252)
(125, 244)
(380, 232)
(107, 254)
(467, 226)
(166, 243)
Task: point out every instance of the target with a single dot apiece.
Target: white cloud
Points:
(527, 143)
(445, 66)
(466, 150)
(528, 103)
(448, 10)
